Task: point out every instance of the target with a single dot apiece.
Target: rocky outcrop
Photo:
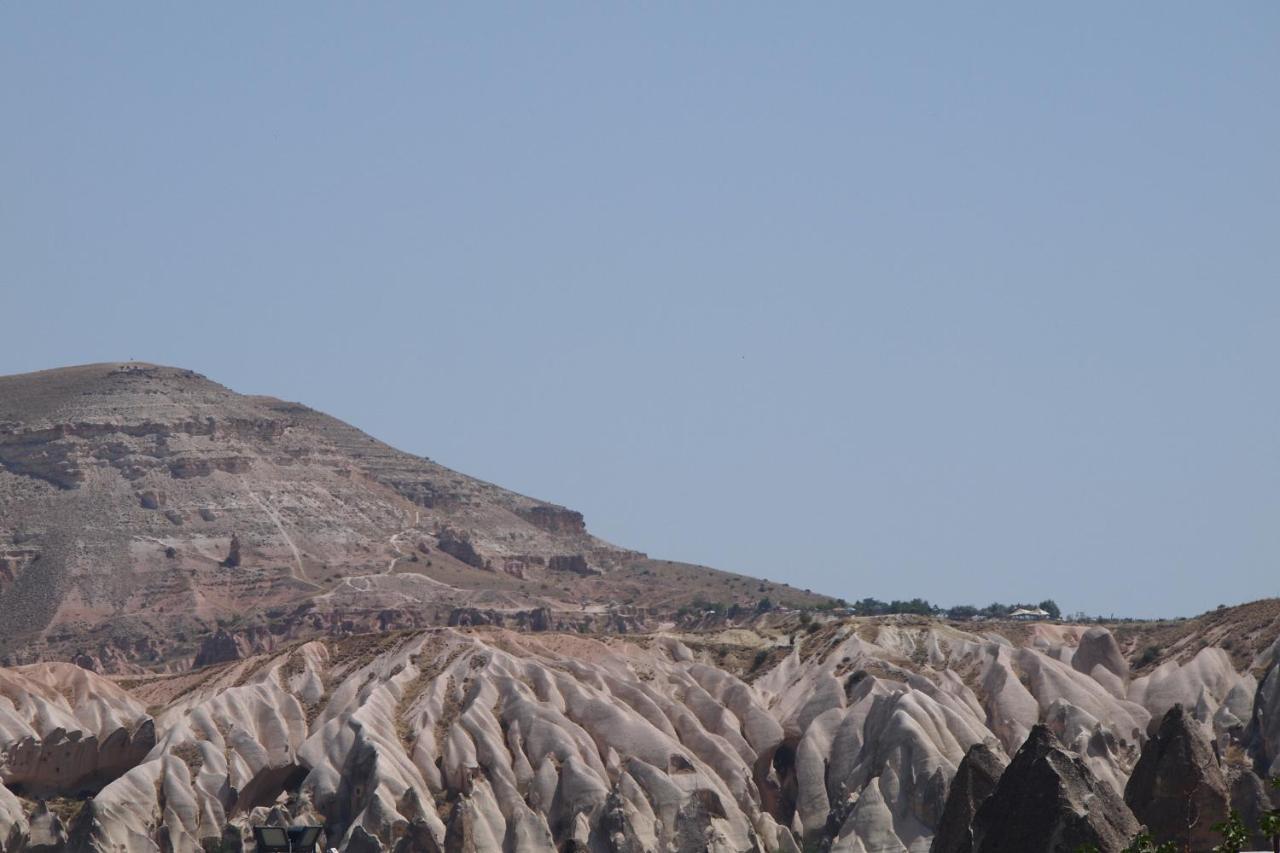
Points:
(37, 454)
(152, 807)
(1204, 685)
(65, 731)
(575, 563)
(615, 620)
(46, 832)
(555, 519)
(14, 826)
(1177, 789)
(1049, 801)
(232, 560)
(1098, 656)
(1252, 798)
(13, 562)
(460, 548)
(220, 647)
(974, 782)
(1263, 737)
(185, 469)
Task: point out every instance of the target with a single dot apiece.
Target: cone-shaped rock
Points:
(1177, 788)
(1048, 801)
(975, 781)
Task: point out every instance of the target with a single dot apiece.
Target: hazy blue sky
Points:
(970, 301)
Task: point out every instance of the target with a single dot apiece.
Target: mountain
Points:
(143, 507)
(220, 612)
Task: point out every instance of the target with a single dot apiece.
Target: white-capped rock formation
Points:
(849, 735)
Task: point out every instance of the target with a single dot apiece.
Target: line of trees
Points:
(921, 607)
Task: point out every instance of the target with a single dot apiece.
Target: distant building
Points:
(1033, 615)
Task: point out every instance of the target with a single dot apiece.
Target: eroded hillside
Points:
(842, 735)
(142, 507)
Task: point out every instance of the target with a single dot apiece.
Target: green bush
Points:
(1234, 834)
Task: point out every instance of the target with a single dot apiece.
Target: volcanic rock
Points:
(974, 782)
(46, 832)
(1048, 801)
(1098, 656)
(1177, 789)
(1264, 724)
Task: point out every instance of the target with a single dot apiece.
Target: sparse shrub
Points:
(1234, 834)
(1269, 823)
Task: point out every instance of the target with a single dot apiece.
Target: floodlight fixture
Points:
(282, 839)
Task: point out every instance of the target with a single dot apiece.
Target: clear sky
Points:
(971, 302)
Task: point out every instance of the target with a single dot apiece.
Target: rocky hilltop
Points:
(143, 508)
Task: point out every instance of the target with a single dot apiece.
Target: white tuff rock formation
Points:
(488, 739)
